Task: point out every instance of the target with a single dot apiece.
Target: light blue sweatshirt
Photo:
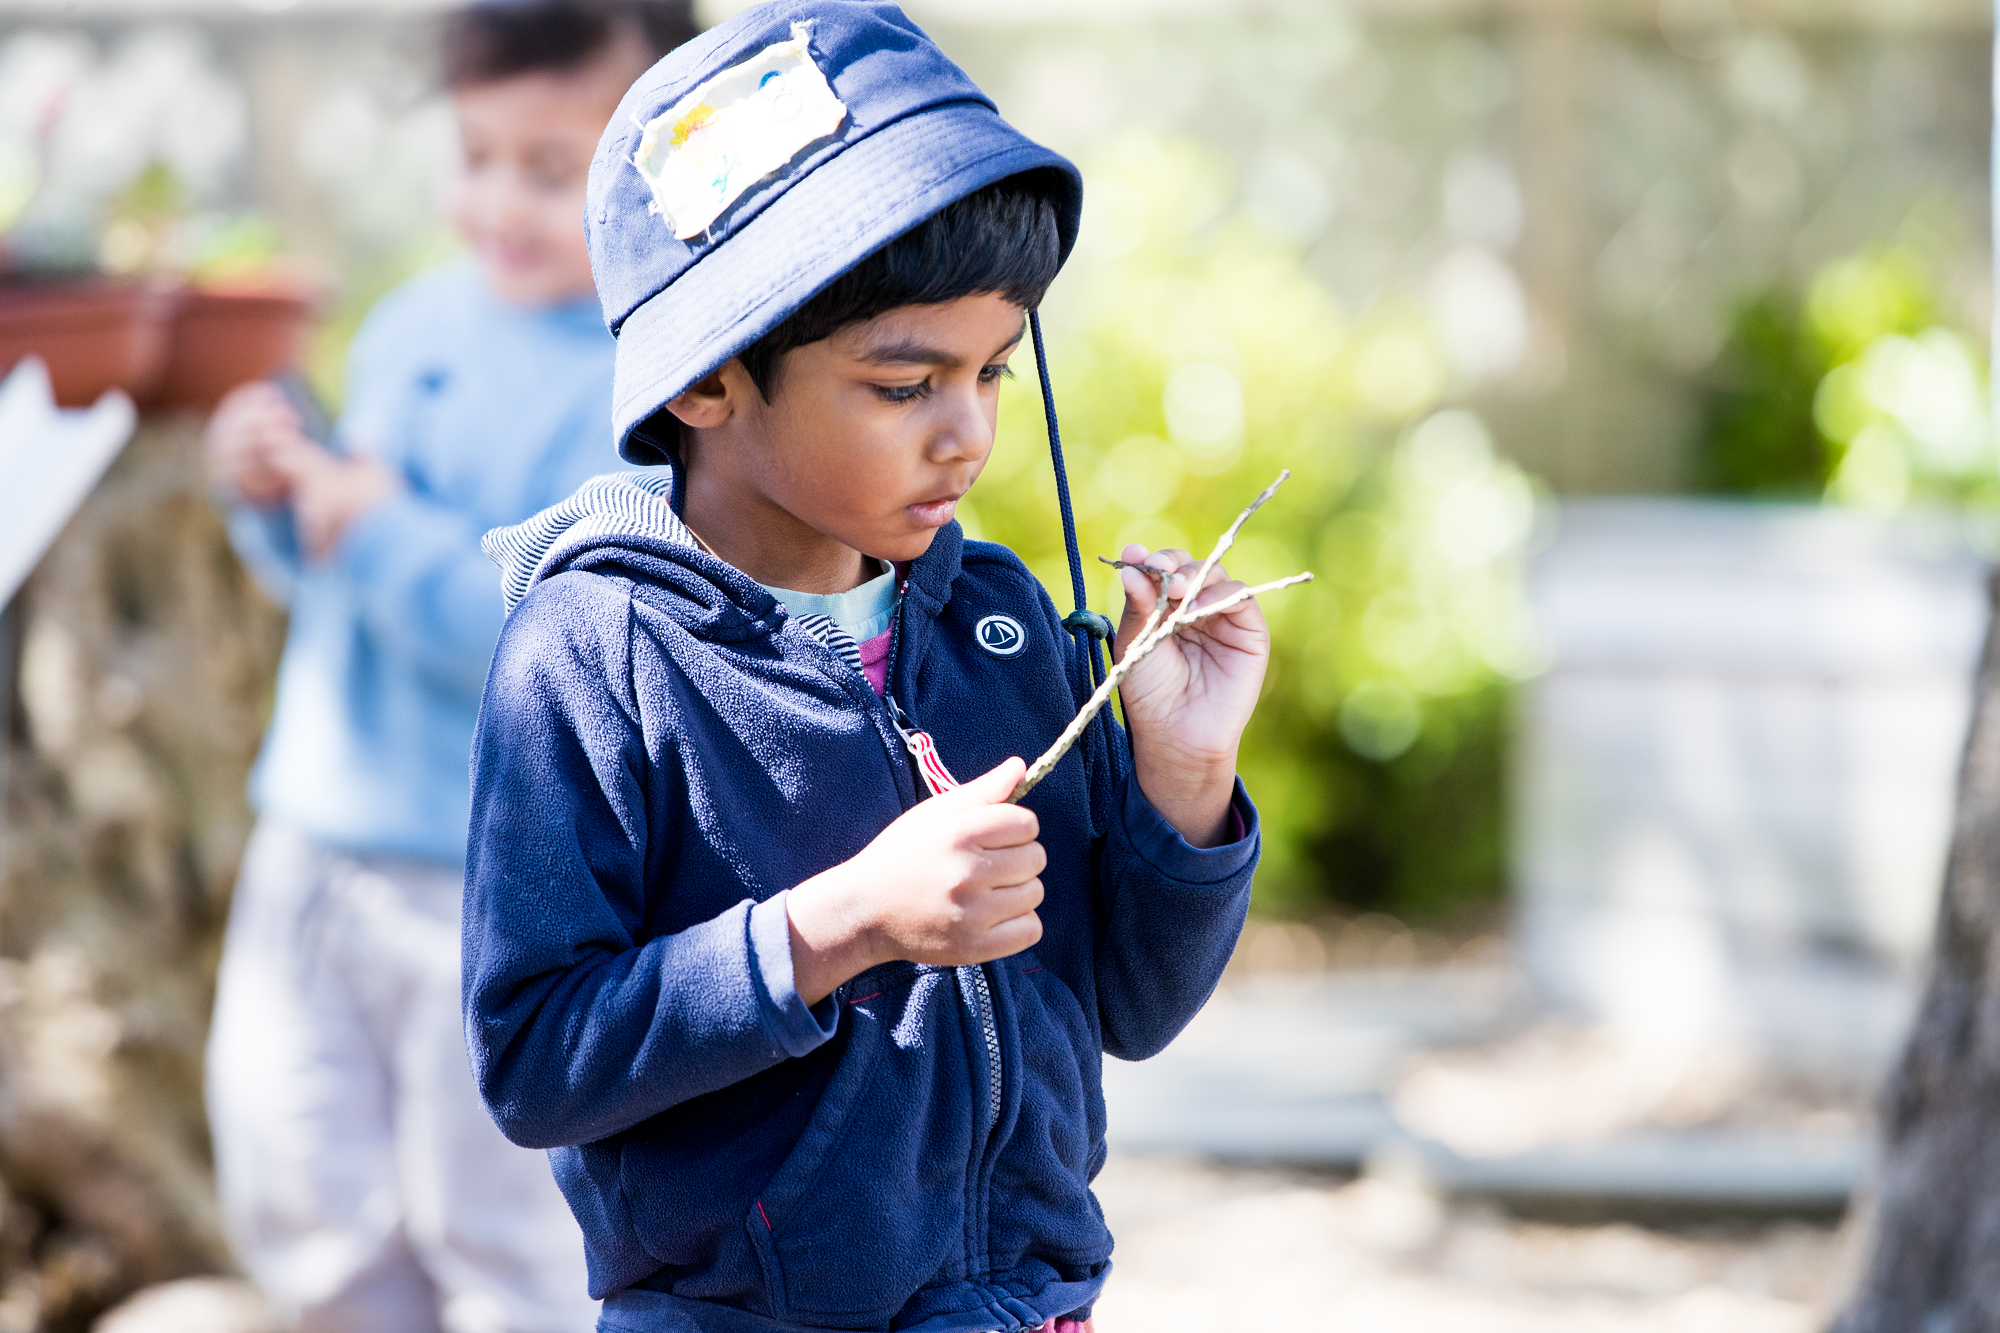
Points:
(491, 412)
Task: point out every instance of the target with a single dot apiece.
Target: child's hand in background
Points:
(257, 447)
(954, 880)
(251, 440)
(330, 491)
(1188, 702)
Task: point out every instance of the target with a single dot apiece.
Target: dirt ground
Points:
(1221, 1249)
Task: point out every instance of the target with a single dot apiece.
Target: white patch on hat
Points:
(705, 150)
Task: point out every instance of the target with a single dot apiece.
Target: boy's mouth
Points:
(934, 513)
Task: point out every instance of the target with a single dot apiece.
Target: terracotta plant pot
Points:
(226, 336)
(94, 334)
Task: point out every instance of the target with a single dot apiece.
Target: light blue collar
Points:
(862, 612)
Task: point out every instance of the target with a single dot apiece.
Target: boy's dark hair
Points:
(1001, 240)
(499, 39)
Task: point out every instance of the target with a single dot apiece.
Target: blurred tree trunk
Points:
(143, 662)
(1931, 1240)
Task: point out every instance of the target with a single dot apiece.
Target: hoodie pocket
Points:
(870, 1206)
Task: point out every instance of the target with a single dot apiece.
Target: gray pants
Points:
(363, 1185)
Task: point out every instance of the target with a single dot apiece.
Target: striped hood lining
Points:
(828, 631)
(637, 503)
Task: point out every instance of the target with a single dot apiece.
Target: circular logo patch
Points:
(1001, 635)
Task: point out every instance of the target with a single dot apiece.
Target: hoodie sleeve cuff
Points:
(795, 1027)
(1161, 845)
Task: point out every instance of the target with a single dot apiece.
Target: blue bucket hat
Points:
(754, 165)
(757, 163)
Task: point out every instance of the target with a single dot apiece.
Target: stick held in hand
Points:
(1159, 627)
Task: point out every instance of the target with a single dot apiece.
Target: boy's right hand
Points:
(953, 881)
(252, 442)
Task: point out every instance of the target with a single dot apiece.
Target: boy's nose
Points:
(964, 429)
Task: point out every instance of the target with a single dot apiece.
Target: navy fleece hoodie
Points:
(662, 753)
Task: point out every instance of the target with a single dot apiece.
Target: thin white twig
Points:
(1242, 595)
(1157, 630)
(1228, 539)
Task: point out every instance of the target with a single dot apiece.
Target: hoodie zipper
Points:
(973, 987)
(978, 997)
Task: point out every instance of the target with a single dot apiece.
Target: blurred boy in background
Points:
(361, 1180)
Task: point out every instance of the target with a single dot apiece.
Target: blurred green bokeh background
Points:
(1861, 390)
(1194, 358)
(1445, 264)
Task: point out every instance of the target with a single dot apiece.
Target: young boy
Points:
(362, 1183)
(814, 1051)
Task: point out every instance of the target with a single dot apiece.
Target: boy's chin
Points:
(904, 547)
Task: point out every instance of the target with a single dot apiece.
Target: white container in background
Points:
(1734, 784)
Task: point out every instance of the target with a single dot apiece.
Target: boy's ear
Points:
(708, 404)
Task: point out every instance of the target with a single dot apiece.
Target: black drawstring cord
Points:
(1087, 627)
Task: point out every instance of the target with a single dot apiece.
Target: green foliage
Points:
(140, 221)
(224, 246)
(1760, 437)
(1859, 394)
(1193, 357)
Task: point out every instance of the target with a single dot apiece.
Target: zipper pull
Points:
(923, 751)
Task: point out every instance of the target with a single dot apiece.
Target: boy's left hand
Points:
(1188, 702)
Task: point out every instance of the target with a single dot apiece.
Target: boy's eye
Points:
(903, 393)
(995, 373)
